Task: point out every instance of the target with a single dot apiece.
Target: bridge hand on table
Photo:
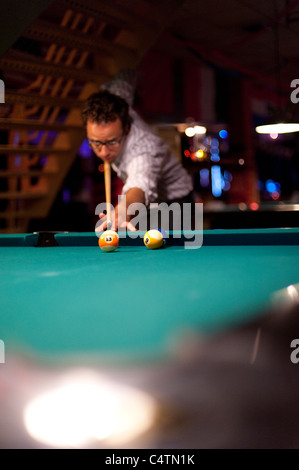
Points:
(102, 224)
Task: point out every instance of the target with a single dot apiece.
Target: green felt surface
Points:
(71, 299)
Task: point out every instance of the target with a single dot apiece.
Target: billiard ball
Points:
(108, 241)
(153, 239)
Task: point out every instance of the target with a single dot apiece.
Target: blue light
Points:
(271, 186)
(17, 160)
(66, 196)
(228, 176)
(204, 176)
(85, 151)
(215, 157)
(16, 138)
(215, 144)
(223, 134)
(217, 180)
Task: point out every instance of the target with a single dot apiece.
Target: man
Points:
(115, 132)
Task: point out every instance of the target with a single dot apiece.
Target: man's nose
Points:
(104, 152)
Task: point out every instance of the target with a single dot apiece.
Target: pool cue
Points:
(107, 176)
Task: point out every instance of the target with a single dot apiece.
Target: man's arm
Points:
(122, 218)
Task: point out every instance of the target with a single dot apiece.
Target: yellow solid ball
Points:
(153, 239)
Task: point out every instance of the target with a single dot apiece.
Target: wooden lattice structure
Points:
(65, 54)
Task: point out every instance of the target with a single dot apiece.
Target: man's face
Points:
(107, 139)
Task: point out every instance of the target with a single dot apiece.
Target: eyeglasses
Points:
(111, 144)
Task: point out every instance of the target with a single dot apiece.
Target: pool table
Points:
(62, 295)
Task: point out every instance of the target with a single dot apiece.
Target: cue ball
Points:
(108, 241)
(153, 239)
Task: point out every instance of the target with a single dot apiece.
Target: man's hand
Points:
(120, 219)
(102, 224)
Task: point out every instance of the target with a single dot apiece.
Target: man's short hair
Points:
(104, 106)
